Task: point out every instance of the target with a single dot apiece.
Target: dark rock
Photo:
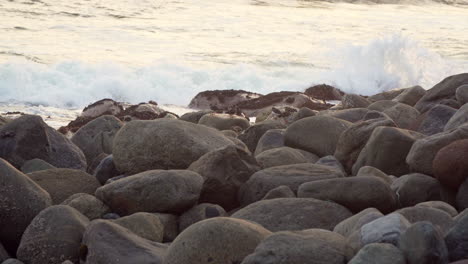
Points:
(35, 165)
(171, 226)
(252, 135)
(444, 90)
(387, 95)
(145, 225)
(261, 182)
(424, 150)
(152, 191)
(331, 161)
(441, 206)
(303, 113)
(382, 105)
(220, 240)
(410, 96)
(351, 115)
(381, 253)
(284, 156)
(106, 170)
(282, 191)
(423, 243)
(102, 107)
(62, 183)
(199, 213)
(462, 94)
(404, 115)
(456, 239)
(224, 121)
(21, 199)
(312, 246)
(105, 242)
(224, 171)
(317, 134)
(386, 150)
(437, 217)
(434, 120)
(273, 138)
(294, 214)
(354, 223)
(324, 92)
(88, 205)
(369, 171)
(97, 136)
(12, 261)
(194, 117)
(110, 216)
(163, 144)
(28, 137)
(354, 101)
(459, 118)
(53, 236)
(462, 196)
(450, 166)
(221, 99)
(3, 254)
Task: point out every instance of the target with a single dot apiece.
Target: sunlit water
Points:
(66, 54)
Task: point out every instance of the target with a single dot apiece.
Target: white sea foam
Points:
(385, 63)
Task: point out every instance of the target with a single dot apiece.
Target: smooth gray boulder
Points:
(403, 115)
(350, 225)
(171, 226)
(456, 239)
(369, 171)
(152, 191)
(35, 165)
(199, 213)
(224, 121)
(284, 156)
(252, 135)
(459, 118)
(163, 144)
(434, 120)
(379, 253)
(354, 101)
(441, 206)
(145, 225)
(282, 191)
(220, 240)
(88, 205)
(437, 217)
(294, 214)
(21, 199)
(105, 170)
(29, 137)
(53, 236)
(273, 138)
(462, 94)
(411, 95)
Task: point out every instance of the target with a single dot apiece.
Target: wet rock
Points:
(216, 240)
(324, 92)
(423, 243)
(224, 121)
(163, 144)
(350, 225)
(35, 165)
(224, 171)
(312, 246)
(282, 191)
(145, 225)
(462, 196)
(261, 182)
(252, 135)
(410, 96)
(284, 156)
(386, 150)
(456, 239)
(424, 150)
(199, 213)
(53, 236)
(152, 191)
(354, 138)
(437, 217)
(450, 164)
(88, 205)
(354, 193)
(105, 242)
(444, 90)
(106, 170)
(294, 214)
(221, 99)
(21, 199)
(354, 101)
(97, 136)
(434, 120)
(381, 253)
(317, 134)
(102, 107)
(28, 137)
(62, 183)
(273, 138)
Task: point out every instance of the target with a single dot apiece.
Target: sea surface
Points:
(58, 56)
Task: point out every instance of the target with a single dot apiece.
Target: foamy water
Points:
(66, 54)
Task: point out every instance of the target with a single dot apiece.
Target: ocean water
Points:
(63, 55)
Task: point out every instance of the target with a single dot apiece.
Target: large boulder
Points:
(53, 236)
(350, 225)
(456, 239)
(351, 115)
(163, 144)
(423, 243)
(294, 214)
(97, 136)
(424, 150)
(414, 188)
(145, 225)
(450, 164)
(152, 191)
(434, 120)
(316, 134)
(21, 199)
(29, 137)
(224, 171)
(312, 246)
(105, 242)
(381, 106)
(381, 253)
(443, 206)
(354, 101)
(261, 182)
(220, 240)
(386, 150)
(386, 95)
(404, 115)
(252, 135)
(353, 140)
(62, 183)
(224, 121)
(88, 205)
(282, 191)
(199, 213)
(194, 117)
(284, 156)
(437, 217)
(369, 171)
(106, 169)
(458, 119)
(221, 99)
(444, 90)
(273, 138)
(35, 165)
(411, 95)
(324, 92)
(462, 94)
(102, 107)
(354, 193)
(171, 226)
(462, 196)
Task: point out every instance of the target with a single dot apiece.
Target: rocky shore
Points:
(321, 176)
